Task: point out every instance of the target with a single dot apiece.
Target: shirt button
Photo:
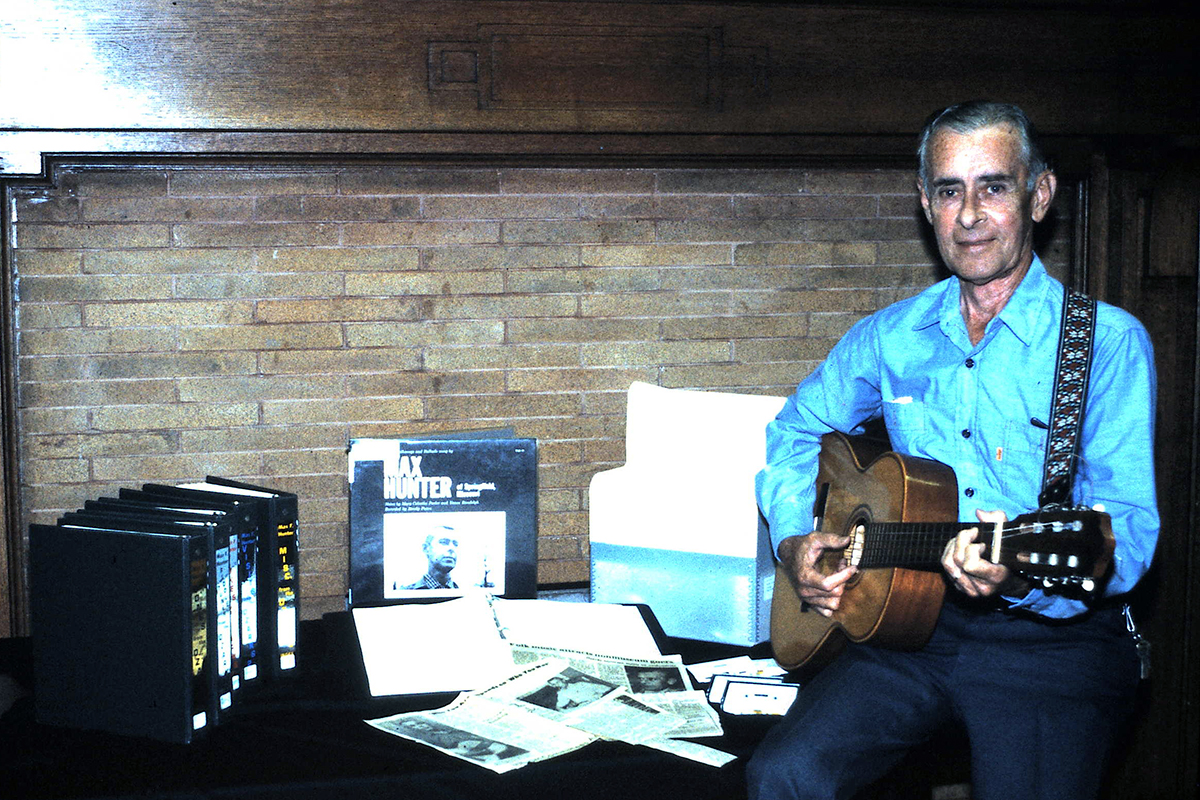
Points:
(970, 362)
(969, 492)
(966, 434)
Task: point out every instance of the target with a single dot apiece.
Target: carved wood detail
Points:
(599, 67)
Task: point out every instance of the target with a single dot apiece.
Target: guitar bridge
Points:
(854, 550)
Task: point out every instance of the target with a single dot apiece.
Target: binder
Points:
(122, 629)
(278, 546)
(223, 645)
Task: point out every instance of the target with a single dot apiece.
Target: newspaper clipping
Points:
(560, 701)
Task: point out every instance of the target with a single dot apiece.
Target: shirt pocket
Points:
(905, 420)
(1022, 461)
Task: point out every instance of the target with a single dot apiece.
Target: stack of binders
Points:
(153, 611)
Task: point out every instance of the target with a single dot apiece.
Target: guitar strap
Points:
(1070, 393)
(1066, 415)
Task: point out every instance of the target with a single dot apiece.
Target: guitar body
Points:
(887, 606)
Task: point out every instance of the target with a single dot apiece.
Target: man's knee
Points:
(779, 772)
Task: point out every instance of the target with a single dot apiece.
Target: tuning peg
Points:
(1098, 507)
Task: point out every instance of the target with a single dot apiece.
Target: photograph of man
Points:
(569, 689)
(651, 680)
(486, 751)
(455, 740)
(441, 551)
(431, 733)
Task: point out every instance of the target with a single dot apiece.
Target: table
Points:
(306, 739)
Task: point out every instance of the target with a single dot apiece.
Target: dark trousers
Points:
(1041, 703)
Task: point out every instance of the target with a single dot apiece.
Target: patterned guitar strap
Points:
(1066, 416)
(1070, 393)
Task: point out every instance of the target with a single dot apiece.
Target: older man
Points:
(441, 553)
(963, 374)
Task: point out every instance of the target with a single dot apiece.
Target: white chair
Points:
(677, 527)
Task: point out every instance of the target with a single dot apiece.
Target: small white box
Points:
(677, 527)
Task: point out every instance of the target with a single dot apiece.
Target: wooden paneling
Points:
(669, 70)
(1151, 243)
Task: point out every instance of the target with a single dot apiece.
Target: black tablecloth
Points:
(306, 738)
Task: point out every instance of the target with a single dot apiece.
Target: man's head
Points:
(654, 680)
(974, 115)
(984, 184)
(441, 548)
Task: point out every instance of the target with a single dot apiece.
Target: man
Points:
(652, 680)
(441, 551)
(963, 374)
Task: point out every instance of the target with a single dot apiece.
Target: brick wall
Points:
(176, 322)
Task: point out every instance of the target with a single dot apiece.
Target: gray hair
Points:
(974, 115)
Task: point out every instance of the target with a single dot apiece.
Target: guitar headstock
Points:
(1065, 551)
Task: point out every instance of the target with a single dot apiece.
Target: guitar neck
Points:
(911, 545)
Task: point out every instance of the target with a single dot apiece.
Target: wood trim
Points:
(25, 155)
(13, 590)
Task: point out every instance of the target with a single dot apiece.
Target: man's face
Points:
(652, 681)
(443, 550)
(981, 212)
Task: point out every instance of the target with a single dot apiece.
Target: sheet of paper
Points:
(436, 647)
(605, 628)
(738, 665)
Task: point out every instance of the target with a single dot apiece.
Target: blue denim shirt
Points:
(913, 364)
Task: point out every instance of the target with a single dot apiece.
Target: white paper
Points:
(605, 628)
(737, 665)
(432, 647)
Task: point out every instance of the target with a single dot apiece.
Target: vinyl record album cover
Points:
(438, 517)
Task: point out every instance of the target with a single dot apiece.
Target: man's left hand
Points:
(974, 575)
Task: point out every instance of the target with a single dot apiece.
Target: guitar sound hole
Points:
(856, 531)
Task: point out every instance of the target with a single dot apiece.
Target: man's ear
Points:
(924, 200)
(1043, 194)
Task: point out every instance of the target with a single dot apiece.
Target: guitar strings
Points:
(902, 543)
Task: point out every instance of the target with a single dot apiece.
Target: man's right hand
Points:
(800, 554)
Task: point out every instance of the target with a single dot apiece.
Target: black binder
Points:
(122, 629)
(225, 645)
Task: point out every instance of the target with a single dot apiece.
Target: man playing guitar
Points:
(963, 374)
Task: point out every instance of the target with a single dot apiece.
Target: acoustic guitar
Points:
(876, 497)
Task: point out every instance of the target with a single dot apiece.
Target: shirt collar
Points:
(1021, 314)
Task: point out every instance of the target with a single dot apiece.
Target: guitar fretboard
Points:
(911, 545)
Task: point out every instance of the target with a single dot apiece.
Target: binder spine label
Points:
(201, 687)
(224, 660)
(288, 618)
(233, 589)
(248, 569)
